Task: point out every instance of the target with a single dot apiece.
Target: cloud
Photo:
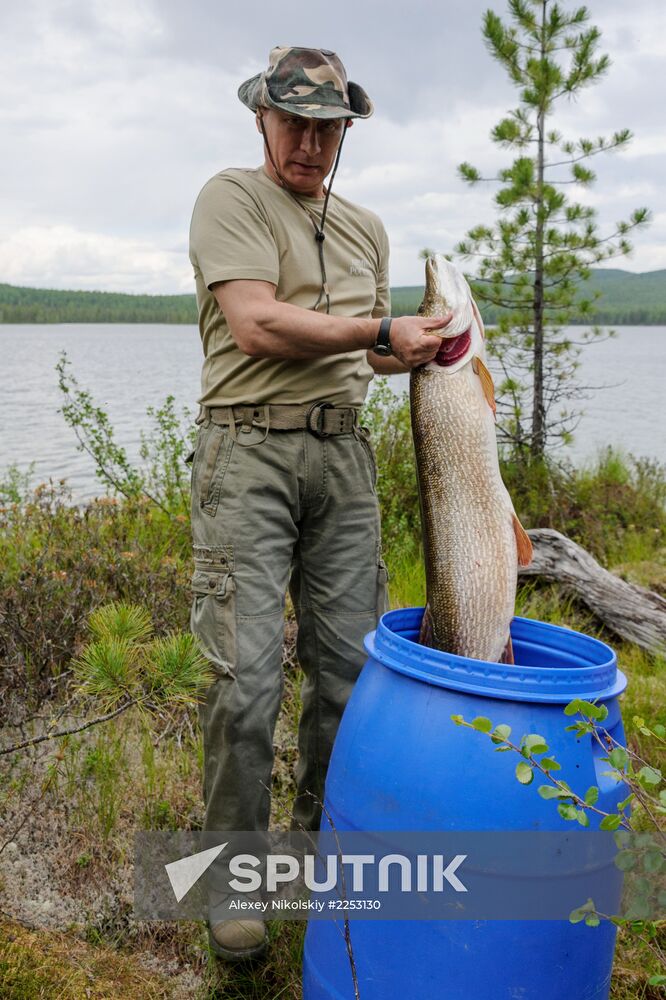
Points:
(113, 117)
(65, 257)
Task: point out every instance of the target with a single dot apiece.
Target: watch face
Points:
(382, 349)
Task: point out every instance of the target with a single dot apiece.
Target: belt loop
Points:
(252, 414)
(203, 417)
(248, 419)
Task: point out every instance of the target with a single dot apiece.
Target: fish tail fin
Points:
(486, 382)
(507, 655)
(426, 631)
(523, 543)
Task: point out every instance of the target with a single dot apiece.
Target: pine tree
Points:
(534, 261)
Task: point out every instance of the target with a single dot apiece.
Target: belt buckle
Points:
(318, 428)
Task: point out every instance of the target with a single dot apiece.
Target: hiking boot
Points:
(235, 940)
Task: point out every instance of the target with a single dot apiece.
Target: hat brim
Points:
(360, 104)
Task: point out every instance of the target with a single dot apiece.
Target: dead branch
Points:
(632, 612)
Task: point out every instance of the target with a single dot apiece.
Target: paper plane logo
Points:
(185, 872)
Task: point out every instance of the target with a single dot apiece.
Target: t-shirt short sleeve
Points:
(230, 237)
(383, 295)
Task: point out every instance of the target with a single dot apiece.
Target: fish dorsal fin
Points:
(480, 369)
(523, 543)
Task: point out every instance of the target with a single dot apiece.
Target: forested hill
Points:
(626, 298)
(41, 305)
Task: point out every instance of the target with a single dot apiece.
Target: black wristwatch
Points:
(383, 343)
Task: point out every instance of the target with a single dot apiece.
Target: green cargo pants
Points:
(273, 509)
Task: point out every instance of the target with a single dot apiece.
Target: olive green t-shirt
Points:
(246, 226)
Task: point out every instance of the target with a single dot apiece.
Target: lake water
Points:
(128, 368)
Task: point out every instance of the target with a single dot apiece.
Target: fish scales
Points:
(468, 523)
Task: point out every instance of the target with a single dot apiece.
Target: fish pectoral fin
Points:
(487, 385)
(507, 655)
(523, 543)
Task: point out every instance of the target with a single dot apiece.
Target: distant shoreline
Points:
(623, 299)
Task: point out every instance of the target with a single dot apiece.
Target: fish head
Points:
(446, 290)
(434, 303)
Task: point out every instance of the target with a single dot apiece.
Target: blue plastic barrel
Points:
(400, 763)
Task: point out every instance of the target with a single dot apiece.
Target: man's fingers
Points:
(436, 323)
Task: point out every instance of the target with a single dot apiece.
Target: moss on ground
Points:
(47, 965)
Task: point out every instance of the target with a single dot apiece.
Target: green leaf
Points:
(549, 792)
(582, 912)
(580, 707)
(582, 817)
(592, 920)
(458, 719)
(524, 773)
(657, 980)
(619, 758)
(481, 724)
(592, 795)
(653, 861)
(550, 764)
(501, 733)
(625, 861)
(580, 727)
(610, 822)
(641, 727)
(649, 776)
(567, 811)
(534, 743)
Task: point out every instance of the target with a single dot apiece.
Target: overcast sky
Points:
(115, 112)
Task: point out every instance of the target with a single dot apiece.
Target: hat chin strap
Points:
(320, 236)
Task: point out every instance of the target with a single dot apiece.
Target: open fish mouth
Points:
(453, 348)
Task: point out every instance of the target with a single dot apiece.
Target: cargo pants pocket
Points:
(213, 616)
(363, 435)
(211, 460)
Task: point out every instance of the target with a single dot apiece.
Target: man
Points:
(292, 287)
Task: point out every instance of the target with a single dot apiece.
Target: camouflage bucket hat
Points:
(308, 82)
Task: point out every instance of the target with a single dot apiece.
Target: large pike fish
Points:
(472, 539)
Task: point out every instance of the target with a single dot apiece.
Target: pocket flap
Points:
(207, 582)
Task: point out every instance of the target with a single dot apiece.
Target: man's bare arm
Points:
(263, 327)
(383, 365)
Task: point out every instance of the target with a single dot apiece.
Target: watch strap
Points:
(383, 341)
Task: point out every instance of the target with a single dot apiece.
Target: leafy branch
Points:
(645, 854)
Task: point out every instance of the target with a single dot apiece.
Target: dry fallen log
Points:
(632, 612)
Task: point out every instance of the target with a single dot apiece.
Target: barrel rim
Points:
(598, 679)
